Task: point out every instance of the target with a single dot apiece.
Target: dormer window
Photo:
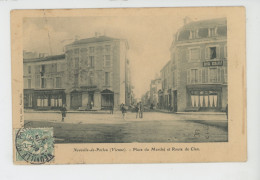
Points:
(203, 32)
(212, 32)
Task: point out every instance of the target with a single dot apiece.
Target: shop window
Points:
(42, 101)
(204, 99)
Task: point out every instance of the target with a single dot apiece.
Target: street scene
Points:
(126, 81)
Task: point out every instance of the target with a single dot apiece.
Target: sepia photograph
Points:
(100, 81)
(95, 80)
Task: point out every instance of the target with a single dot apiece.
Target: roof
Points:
(48, 58)
(93, 40)
(206, 23)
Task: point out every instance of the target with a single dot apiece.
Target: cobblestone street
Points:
(154, 127)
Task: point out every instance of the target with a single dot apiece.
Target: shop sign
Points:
(212, 63)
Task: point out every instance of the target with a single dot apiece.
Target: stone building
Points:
(96, 73)
(155, 86)
(167, 80)
(199, 67)
(92, 74)
(44, 84)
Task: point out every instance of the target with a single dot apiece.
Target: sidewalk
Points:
(116, 118)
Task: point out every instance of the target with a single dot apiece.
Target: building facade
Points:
(44, 83)
(92, 74)
(155, 86)
(199, 67)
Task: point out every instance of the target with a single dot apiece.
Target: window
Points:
(194, 54)
(213, 75)
(184, 35)
(225, 51)
(29, 83)
(212, 32)
(42, 69)
(203, 32)
(212, 52)
(76, 80)
(194, 76)
(107, 48)
(222, 30)
(76, 63)
(107, 60)
(58, 82)
(91, 49)
(76, 51)
(107, 79)
(54, 67)
(43, 85)
(91, 59)
(29, 69)
(204, 75)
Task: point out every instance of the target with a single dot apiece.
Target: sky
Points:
(149, 39)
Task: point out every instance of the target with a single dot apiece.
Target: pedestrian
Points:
(63, 112)
(141, 109)
(123, 109)
(227, 111)
(137, 109)
(112, 109)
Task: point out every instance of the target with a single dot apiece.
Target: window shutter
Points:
(200, 75)
(219, 74)
(188, 76)
(218, 52)
(206, 75)
(207, 52)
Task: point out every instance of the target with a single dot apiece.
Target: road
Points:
(154, 127)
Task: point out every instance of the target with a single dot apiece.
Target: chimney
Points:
(186, 20)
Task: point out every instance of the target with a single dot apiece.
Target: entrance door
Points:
(76, 100)
(175, 108)
(107, 99)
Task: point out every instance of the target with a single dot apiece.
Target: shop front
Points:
(49, 99)
(204, 97)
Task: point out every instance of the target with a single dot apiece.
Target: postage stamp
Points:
(34, 145)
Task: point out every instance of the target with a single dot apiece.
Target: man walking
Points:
(63, 113)
(141, 109)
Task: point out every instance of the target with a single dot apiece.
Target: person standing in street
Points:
(141, 109)
(63, 112)
(137, 109)
(227, 111)
(123, 110)
(112, 109)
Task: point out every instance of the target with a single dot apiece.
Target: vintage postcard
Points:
(133, 85)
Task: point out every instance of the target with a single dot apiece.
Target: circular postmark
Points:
(35, 145)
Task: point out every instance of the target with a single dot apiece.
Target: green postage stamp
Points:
(34, 145)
